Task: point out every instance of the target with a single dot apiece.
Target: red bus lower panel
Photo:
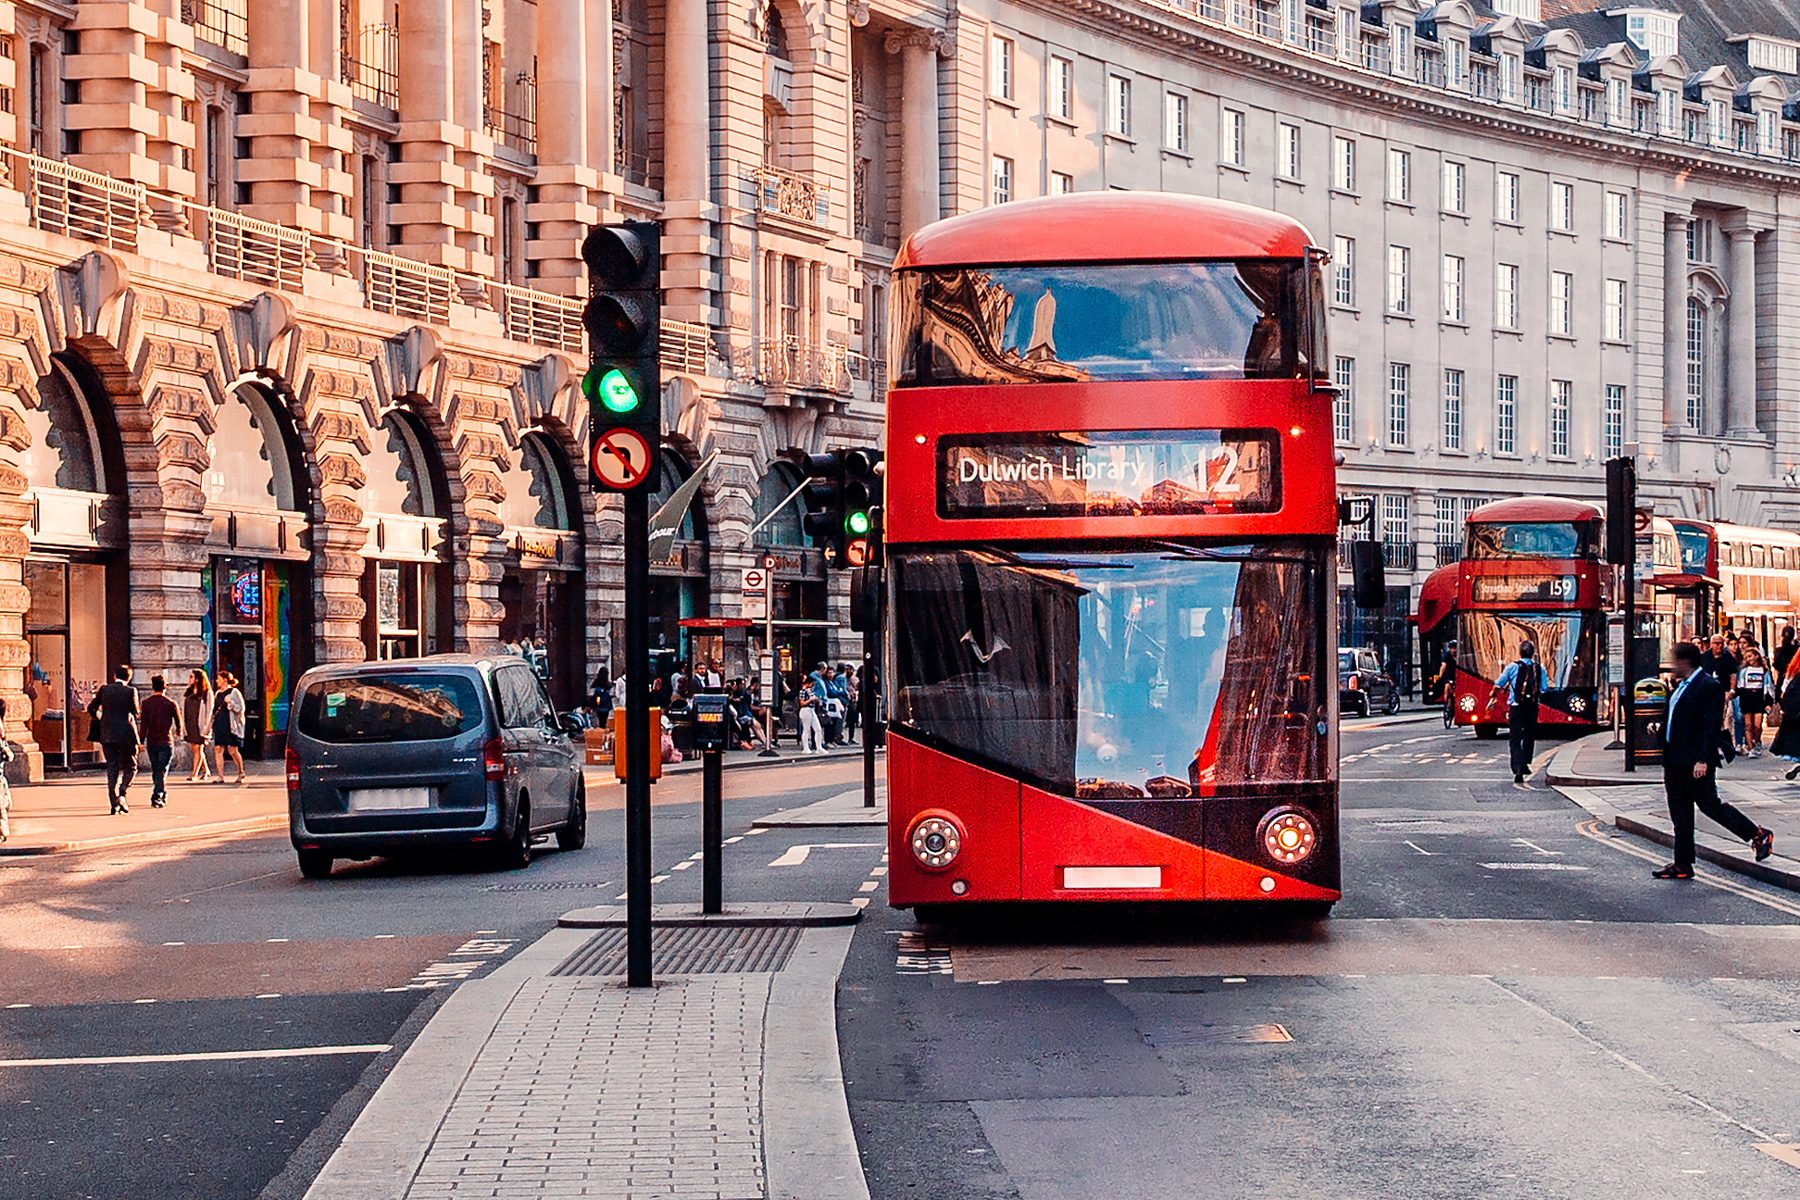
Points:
(1018, 842)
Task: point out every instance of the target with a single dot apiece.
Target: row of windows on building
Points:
(1454, 292)
(1453, 436)
(1614, 102)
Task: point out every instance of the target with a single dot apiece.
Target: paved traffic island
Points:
(1594, 776)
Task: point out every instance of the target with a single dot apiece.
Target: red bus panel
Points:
(983, 803)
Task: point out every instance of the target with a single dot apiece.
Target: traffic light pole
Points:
(638, 741)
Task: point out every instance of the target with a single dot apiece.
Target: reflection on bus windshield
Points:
(1532, 540)
(1163, 673)
(1047, 324)
(1567, 650)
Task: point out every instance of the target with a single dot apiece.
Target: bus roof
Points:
(1106, 227)
(1538, 508)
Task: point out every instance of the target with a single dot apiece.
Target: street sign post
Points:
(1626, 527)
(753, 583)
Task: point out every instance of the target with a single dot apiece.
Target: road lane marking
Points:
(112, 1060)
(1531, 866)
(1780, 1153)
(867, 885)
(1591, 830)
(654, 879)
(795, 856)
(1422, 850)
(1531, 845)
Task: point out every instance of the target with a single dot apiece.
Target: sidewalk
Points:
(71, 812)
(549, 1078)
(1636, 803)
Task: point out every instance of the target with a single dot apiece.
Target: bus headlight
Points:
(1578, 704)
(935, 840)
(1288, 835)
(1467, 704)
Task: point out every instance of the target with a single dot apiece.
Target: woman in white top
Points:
(228, 727)
(1755, 688)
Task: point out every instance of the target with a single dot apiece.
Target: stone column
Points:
(598, 84)
(1740, 397)
(566, 176)
(687, 104)
(919, 150)
(425, 74)
(444, 212)
(1675, 297)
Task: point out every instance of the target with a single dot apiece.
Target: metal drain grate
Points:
(548, 885)
(1217, 1035)
(690, 950)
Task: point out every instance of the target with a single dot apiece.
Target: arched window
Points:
(774, 34)
(537, 491)
(1697, 338)
(65, 444)
(784, 529)
(400, 479)
(249, 464)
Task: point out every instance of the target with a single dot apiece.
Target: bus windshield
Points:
(1155, 672)
(1567, 644)
(1534, 539)
(1120, 321)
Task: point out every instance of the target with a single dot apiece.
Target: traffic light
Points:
(1621, 511)
(824, 494)
(623, 383)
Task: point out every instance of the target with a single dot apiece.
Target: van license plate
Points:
(387, 799)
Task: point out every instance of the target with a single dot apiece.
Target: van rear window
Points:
(403, 707)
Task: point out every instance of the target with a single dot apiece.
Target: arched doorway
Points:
(798, 580)
(75, 572)
(406, 584)
(257, 582)
(543, 594)
(678, 581)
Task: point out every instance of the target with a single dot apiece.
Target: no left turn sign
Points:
(622, 458)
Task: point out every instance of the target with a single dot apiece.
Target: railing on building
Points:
(1399, 556)
(371, 63)
(782, 193)
(83, 204)
(541, 318)
(239, 247)
(402, 287)
(686, 348)
(1449, 552)
(224, 23)
(792, 363)
(512, 117)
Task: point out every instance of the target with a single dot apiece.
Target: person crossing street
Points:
(1692, 731)
(1524, 683)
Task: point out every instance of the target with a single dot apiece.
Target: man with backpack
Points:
(1524, 682)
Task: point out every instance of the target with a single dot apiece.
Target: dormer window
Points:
(1772, 54)
(1654, 32)
(1525, 10)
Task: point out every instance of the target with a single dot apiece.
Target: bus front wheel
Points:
(1487, 733)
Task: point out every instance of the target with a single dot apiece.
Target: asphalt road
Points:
(1505, 1004)
(251, 1004)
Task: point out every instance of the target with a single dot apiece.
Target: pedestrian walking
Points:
(161, 723)
(196, 723)
(1787, 733)
(1691, 736)
(853, 697)
(812, 732)
(1784, 652)
(836, 707)
(1755, 690)
(1524, 682)
(6, 756)
(114, 712)
(228, 727)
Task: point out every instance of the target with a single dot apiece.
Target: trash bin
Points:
(1649, 708)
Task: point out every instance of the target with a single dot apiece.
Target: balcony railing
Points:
(255, 251)
(224, 23)
(371, 64)
(84, 204)
(797, 197)
(402, 287)
(1399, 556)
(785, 363)
(686, 348)
(1449, 552)
(512, 116)
(541, 318)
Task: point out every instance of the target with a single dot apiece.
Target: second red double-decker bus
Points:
(1111, 524)
(1532, 569)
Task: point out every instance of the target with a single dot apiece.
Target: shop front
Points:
(798, 587)
(258, 582)
(543, 592)
(406, 576)
(75, 625)
(678, 580)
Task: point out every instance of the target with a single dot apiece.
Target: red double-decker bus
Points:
(1532, 568)
(1111, 525)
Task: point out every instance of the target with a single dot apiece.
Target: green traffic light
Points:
(857, 523)
(613, 390)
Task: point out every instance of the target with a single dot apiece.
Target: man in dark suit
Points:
(1692, 732)
(114, 710)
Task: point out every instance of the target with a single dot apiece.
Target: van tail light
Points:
(293, 770)
(493, 759)
(1355, 683)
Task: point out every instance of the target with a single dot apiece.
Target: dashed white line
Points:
(859, 902)
(684, 864)
(174, 943)
(659, 879)
(1422, 850)
(867, 885)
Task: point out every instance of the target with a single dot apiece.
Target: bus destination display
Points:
(1105, 474)
(1516, 589)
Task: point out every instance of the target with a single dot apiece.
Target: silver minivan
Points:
(411, 754)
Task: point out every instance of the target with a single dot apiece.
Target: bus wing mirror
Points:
(1368, 575)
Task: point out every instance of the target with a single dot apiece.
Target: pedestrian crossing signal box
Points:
(622, 765)
(711, 728)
